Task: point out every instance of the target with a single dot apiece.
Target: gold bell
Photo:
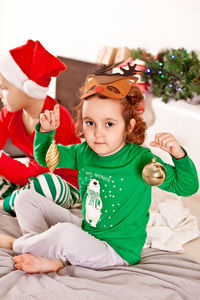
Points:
(154, 173)
(52, 156)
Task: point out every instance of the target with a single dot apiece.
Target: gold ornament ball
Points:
(52, 157)
(154, 173)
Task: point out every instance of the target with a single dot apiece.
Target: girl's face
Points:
(13, 98)
(103, 125)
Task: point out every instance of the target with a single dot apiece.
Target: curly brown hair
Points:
(131, 104)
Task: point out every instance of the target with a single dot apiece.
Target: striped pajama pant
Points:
(53, 187)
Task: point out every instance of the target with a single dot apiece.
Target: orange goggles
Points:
(117, 88)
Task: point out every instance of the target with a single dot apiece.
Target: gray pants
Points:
(53, 231)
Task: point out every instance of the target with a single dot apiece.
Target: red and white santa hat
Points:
(30, 67)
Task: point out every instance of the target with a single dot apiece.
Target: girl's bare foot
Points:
(30, 263)
(6, 241)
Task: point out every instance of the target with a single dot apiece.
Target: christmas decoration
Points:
(173, 73)
(52, 157)
(106, 55)
(154, 173)
(122, 54)
(143, 85)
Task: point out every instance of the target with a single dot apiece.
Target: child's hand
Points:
(50, 119)
(168, 143)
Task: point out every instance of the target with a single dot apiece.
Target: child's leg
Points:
(69, 243)
(1, 204)
(53, 232)
(36, 214)
(56, 189)
(6, 241)
(6, 189)
(53, 187)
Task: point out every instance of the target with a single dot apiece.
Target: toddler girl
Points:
(115, 198)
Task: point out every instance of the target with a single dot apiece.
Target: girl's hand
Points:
(168, 143)
(50, 119)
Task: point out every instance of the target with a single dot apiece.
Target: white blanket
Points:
(170, 224)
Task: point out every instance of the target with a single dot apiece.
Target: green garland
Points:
(173, 73)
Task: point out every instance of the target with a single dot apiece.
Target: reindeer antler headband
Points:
(116, 86)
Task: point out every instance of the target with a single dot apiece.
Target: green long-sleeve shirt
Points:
(115, 198)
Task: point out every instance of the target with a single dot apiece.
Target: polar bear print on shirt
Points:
(93, 203)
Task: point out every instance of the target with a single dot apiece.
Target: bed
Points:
(159, 275)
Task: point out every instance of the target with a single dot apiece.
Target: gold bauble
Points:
(52, 157)
(154, 173)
